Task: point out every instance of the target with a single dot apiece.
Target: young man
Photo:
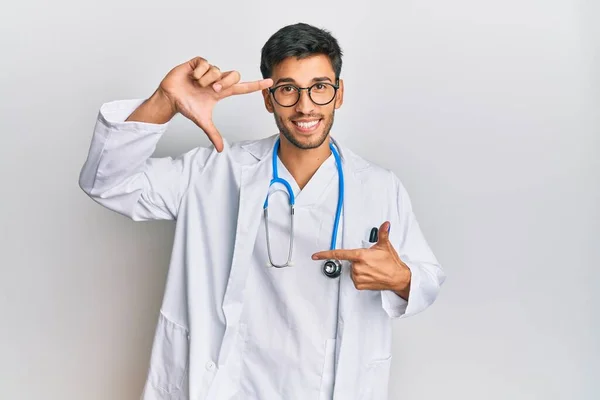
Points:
(278, 305)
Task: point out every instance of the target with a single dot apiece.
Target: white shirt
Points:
(291, 313)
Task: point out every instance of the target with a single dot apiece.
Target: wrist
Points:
(402, 283)
(162, 106)
(157, 109)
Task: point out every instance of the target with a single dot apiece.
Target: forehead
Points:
(304, 70)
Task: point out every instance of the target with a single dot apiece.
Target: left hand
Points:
(376, 268)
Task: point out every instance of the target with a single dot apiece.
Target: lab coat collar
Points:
(264, 147)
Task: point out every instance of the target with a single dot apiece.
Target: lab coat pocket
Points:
(366, 244)
(328, 375)
(169, 358)
(377, 375)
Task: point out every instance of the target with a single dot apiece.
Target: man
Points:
(237, 320)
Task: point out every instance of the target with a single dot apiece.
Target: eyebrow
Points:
(291, 80)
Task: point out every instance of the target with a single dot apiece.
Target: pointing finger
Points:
(249, 87)
(350, 255)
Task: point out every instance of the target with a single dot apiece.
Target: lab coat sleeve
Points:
(121, 174)
(427, 273)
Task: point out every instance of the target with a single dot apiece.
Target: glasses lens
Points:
(286, 95)
(322, 93)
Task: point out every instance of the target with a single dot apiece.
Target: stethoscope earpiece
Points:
(332, 268)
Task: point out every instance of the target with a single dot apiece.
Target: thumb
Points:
(384, 233)
(212, 132)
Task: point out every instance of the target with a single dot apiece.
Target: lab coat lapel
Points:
(254, 186)
(348, 337)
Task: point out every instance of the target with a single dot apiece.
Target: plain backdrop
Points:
(487, 110)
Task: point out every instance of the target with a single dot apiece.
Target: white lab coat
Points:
(217, 200)
(293, 359)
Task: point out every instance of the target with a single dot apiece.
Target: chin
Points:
(304, 141)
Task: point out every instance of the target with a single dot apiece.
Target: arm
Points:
(426, 274)
(119, 172)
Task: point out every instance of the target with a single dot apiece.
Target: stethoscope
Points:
(331, 268)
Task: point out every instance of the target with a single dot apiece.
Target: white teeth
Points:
(307, 125)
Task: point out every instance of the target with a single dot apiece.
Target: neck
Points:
(302, 164)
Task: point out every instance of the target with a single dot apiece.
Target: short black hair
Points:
(300, 40)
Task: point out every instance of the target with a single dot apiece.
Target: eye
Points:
(320, 87)
(288, 89)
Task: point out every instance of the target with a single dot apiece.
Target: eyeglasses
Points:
(321, 93)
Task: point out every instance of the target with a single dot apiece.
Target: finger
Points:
(195, 62)
(249, 87)
(384, 233)
(212, 75)
(213, 134)
(200, 67)
(361, 281)
(351, 255)
(354, 276)
(228, 79)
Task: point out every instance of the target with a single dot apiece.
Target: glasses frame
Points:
(336, 86)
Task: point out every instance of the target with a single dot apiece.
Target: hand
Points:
(194, 87)
(376, 268)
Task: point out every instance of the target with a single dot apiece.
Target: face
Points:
(306, 125)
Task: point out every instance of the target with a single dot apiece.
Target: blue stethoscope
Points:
(331, 268)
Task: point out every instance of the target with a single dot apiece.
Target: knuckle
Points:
(361, 254)
(202, 68)
(199, 72)
(203, 63)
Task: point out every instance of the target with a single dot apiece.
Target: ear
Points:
(339, 97)
(268, 101)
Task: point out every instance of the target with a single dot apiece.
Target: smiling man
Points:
(269, 295)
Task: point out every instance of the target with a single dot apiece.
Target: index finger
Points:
(249, 87)
(339, 254)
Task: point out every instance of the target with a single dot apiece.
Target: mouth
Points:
(307, 126)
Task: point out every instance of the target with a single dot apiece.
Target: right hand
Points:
(194, 87)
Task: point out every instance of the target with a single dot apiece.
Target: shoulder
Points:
(367, 170)
(374, 177)
(253, 150)
(249, 151)
(236, 153)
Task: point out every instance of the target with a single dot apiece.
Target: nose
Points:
(305, 104)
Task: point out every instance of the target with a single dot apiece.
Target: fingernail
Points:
(217, 87)
(314, 257)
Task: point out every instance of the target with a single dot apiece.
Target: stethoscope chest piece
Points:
(332, 268)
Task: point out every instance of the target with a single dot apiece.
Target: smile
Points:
(307, 126)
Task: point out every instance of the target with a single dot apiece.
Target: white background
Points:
(487, 110)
